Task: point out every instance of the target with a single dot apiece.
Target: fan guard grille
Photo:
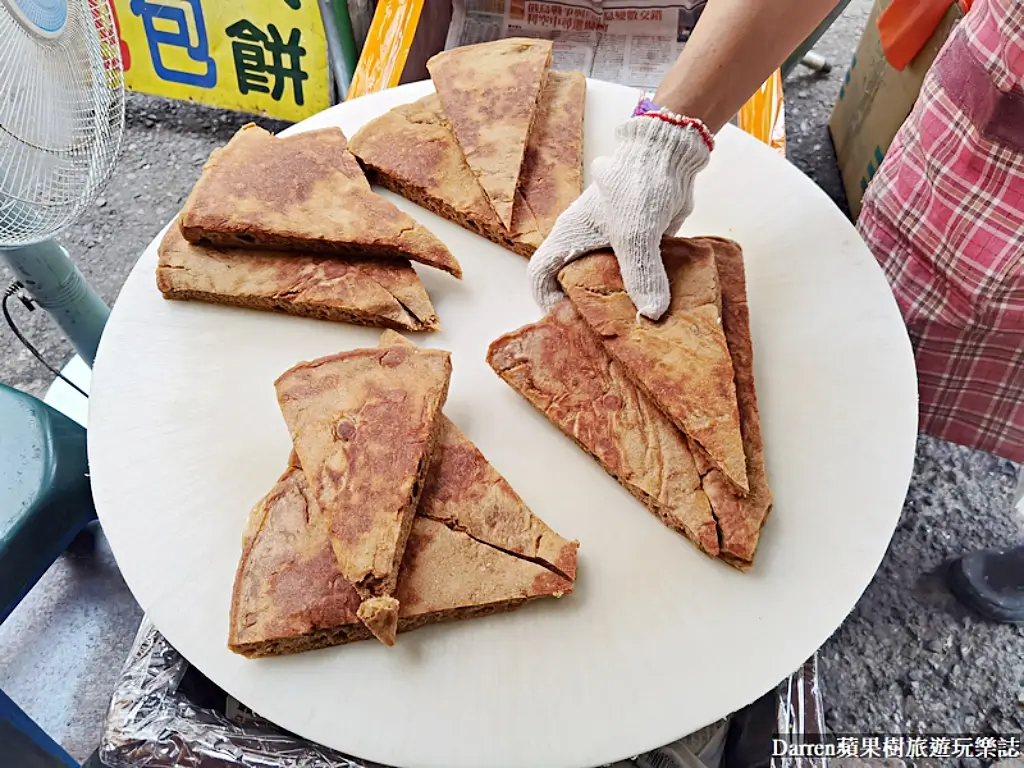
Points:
(61, 119)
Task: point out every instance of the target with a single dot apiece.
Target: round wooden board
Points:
(657, 640)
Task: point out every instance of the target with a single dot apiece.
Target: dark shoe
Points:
(991, 583)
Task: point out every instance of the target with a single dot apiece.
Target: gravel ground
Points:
(907, 659)
(910, 659)
(809, 99)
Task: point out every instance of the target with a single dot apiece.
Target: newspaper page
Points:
(630, 42)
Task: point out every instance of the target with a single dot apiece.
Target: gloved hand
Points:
(640, 193)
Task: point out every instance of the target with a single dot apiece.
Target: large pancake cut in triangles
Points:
(411, 151)
(560, 366)
(682, 361)
(489, 93)
(466, 493)
(364, 426)
(289, 597)
(374, 292)
(552, 175)
(739, 519)
(304, 192)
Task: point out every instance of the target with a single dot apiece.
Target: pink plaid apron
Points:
(944, 216)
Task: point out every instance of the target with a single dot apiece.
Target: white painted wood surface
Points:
(657, 640)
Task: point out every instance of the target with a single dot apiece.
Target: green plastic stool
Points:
(45, 505)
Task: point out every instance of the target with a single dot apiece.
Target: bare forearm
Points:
(734, 48)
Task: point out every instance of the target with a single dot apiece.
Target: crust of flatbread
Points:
(364, 425)
(682, 362)
(465, 492)
(412, 152)
(740, 519)
(380, 615)
(552, 175)
(288, 596)
(489, 93)
(561, 368)
(373, 292)
(303, 192)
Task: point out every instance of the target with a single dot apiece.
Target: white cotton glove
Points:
(639, 194)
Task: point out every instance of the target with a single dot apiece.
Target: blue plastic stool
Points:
(45, 504)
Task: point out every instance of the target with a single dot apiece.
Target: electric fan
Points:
(61, 121)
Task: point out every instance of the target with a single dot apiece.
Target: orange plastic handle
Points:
(906, 25)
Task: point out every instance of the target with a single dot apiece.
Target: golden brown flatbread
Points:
(303, 192)
(681, 362)
(375, 292)
(364, 425)
(739, 519)
(552, 175)
(465, 492)
(562, 369)
(489, 93)
(289, 597)
(412, 151)
(380, 615)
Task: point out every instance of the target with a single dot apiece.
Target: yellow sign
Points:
(261, 56)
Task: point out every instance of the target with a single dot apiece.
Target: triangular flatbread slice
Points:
(739, 519)
(304, 192)
(489, 93)
(466, 493)
(374, 292)
(412, 152)
(288, 596)
(681, 362)
(562, 369)
(552, 175)
(364, 425)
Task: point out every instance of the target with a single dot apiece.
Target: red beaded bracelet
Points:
(647, 108)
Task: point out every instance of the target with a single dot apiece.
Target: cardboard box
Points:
(874, 100)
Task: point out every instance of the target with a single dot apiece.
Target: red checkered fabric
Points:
(944, 216)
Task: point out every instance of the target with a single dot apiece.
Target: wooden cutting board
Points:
(657, 641)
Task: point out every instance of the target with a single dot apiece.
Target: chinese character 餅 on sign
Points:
(265, 61)
(260, 56)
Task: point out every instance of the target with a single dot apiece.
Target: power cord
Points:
(15, 289)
